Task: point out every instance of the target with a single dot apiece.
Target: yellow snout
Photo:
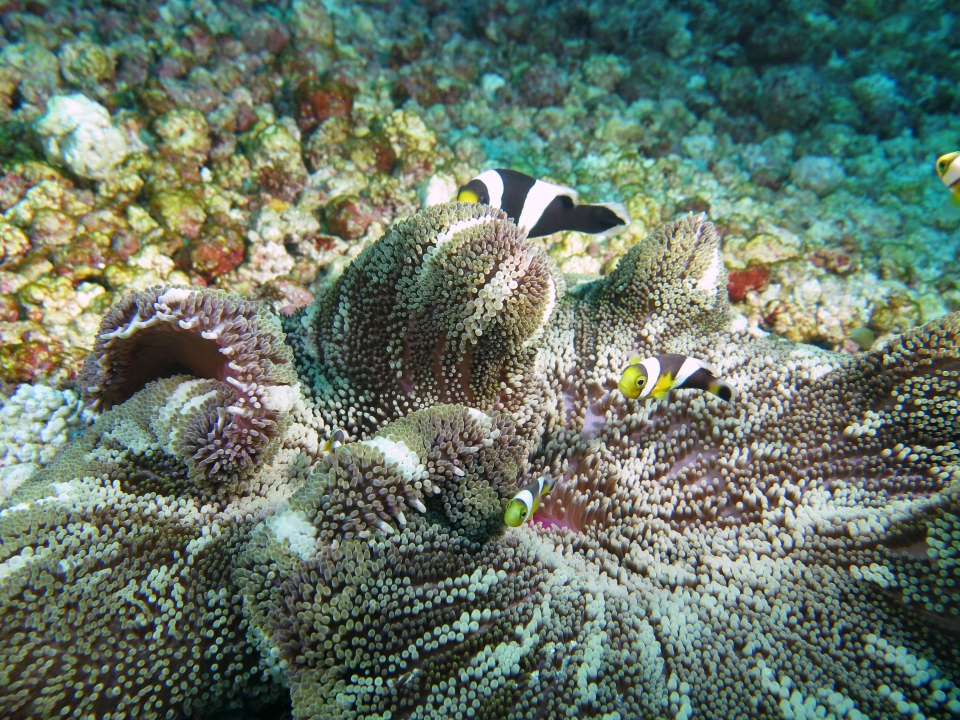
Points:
(632, 381)
(516, 513)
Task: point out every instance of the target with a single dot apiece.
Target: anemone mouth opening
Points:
(163, 352)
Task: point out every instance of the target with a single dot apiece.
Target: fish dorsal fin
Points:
(563, 191)
(709, 368)
(538, 198)
(570, 193)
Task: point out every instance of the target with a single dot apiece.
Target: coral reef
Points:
(170, 124)
(792, 555)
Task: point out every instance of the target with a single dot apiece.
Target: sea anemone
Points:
(208, 334)
(764, 557)
(116, 590)
(447, 307)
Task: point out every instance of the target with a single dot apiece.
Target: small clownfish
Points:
(541, 207)
(335, 441)
(657, 376)
(526, 502)
(948, 168)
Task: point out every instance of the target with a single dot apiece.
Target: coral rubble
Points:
(140, 148)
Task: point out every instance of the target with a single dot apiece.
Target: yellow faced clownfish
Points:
(335, 441)
(526, 502)
(948, 168)
(541, 207)
(657, 376)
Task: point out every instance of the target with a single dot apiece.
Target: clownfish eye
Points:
(942, 165)
(641, 382)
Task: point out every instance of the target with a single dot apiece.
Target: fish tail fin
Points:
(603, 219)
(722, 390)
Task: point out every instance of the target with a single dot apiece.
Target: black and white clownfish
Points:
(657, 376)
(526, 502)
(541, 207)
(335, 441)
(948, 168)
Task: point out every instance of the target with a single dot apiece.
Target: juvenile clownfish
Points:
(335, 441)
(657, 376)
(541, 207)
(526, 502)
(948, 168)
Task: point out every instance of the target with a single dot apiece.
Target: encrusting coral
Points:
(789, 554)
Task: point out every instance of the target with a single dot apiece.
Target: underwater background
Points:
(259, 148)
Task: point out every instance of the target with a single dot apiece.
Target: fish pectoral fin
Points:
(663, 386)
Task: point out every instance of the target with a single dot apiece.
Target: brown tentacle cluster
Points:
(454, 463)
(208, 334)
(447, 307)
